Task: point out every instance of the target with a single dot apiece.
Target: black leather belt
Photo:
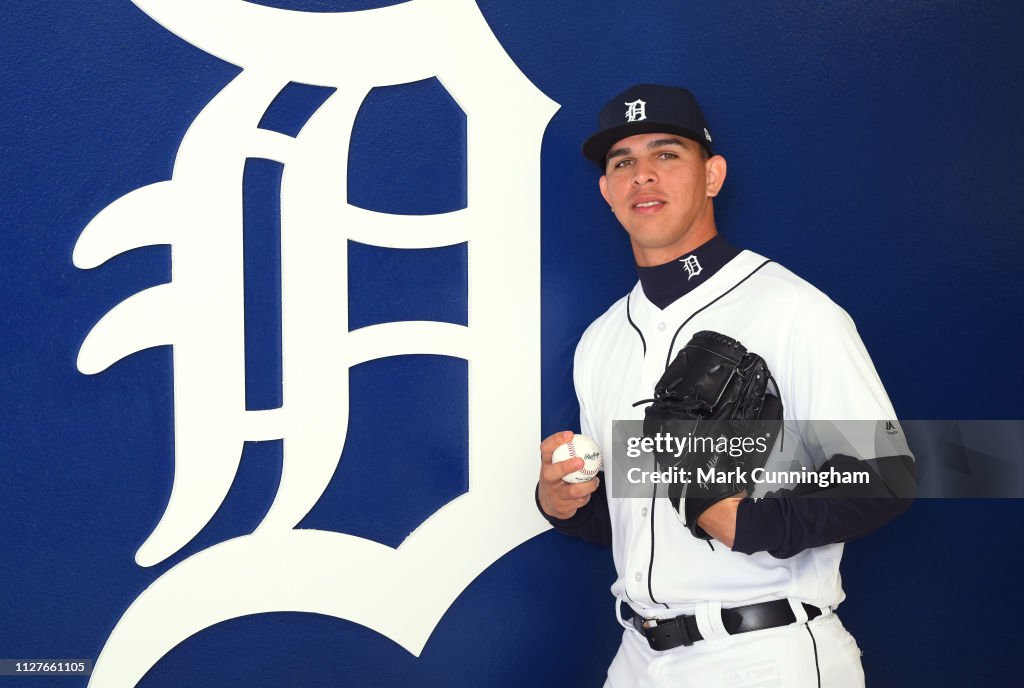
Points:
(666, 634)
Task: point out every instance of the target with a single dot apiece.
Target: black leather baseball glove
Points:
(714, 390)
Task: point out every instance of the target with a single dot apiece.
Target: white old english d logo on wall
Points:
(200, 313)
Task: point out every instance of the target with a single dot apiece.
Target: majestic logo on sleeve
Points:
(692, 266)
(200, 314)
(636, 111)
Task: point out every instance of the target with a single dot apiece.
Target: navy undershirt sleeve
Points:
(787, 522)
(591, 522)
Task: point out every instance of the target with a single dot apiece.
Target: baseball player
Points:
(753, 601)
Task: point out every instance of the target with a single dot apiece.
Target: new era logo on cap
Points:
(649, 108)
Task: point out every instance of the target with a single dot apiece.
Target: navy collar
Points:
(663, 284)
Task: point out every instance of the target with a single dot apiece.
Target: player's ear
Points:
(603, 183)
(715, 169)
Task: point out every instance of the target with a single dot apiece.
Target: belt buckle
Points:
(678, 625)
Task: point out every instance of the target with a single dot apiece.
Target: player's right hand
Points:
(557, 498)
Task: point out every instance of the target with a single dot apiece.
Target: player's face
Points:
(660, 188)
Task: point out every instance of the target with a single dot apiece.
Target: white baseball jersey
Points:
(823, 372)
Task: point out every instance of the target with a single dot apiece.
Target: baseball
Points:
(585, 448)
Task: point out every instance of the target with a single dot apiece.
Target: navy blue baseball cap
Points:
(647, 109)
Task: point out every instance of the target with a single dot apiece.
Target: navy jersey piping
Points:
(672, 344)
(633, 325)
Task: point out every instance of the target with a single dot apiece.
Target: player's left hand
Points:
(719, 520)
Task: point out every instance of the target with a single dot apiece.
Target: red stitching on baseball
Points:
(585, 472)
(572, 450)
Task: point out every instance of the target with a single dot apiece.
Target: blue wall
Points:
(874, 148)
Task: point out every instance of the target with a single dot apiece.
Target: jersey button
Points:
(638, 576)
(643, 512)
(661, 326)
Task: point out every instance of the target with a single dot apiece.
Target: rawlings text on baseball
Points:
(582, 447)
